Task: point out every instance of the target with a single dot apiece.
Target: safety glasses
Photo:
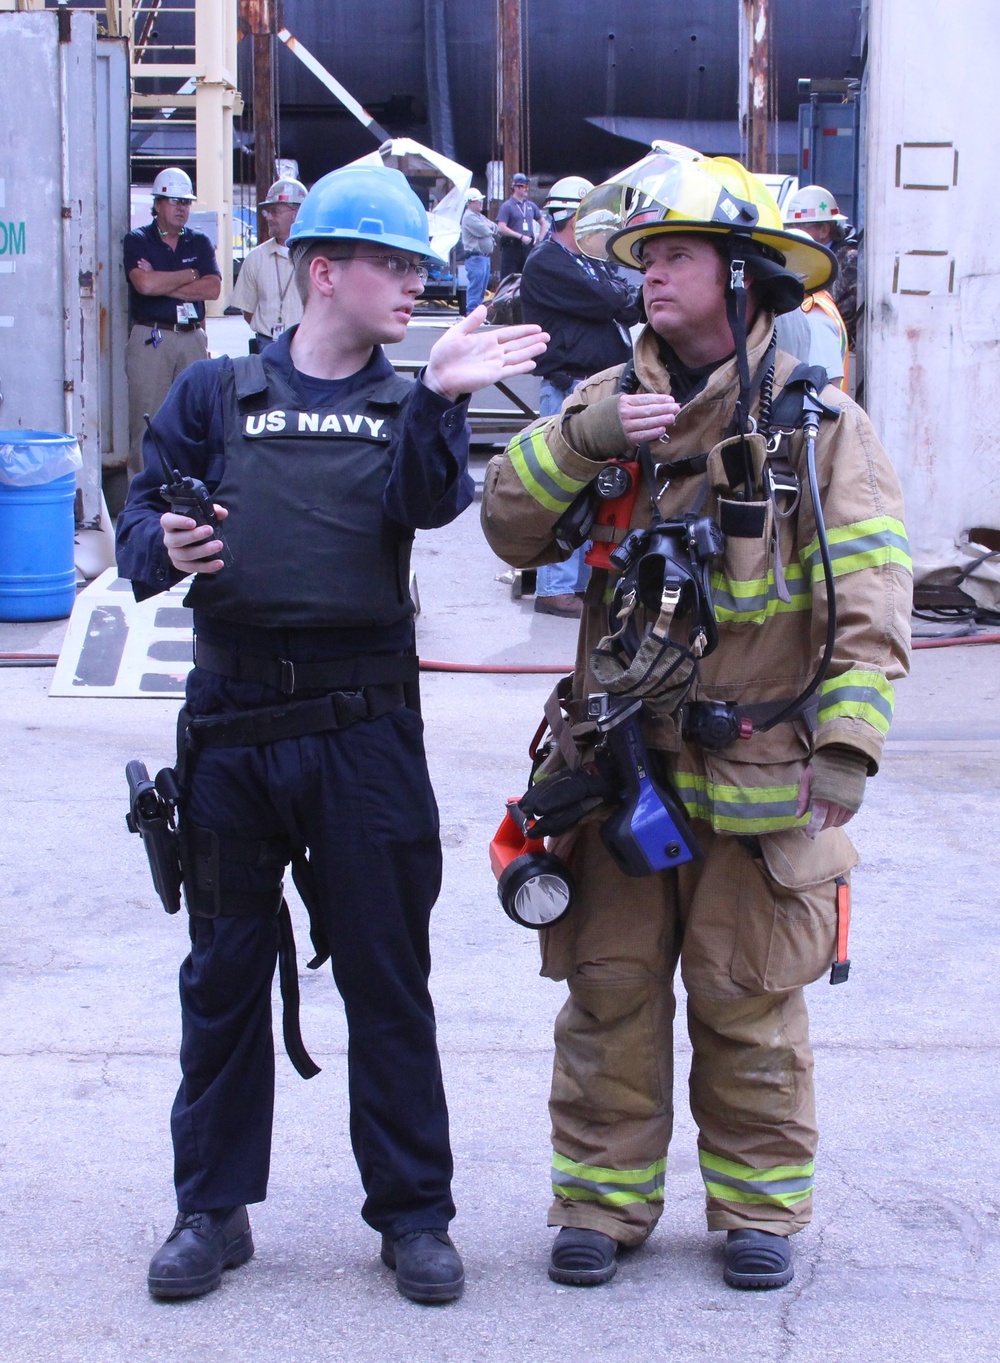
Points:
(398, 265)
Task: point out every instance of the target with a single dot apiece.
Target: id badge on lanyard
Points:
(186, 312)
(279, 325)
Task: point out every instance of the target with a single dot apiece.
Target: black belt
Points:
(289, 677)
(271, 723)
(170, 326)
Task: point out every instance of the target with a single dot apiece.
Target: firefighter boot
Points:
(190, 1261)
(757, 1259)
(427, 1266)
(583, 1258)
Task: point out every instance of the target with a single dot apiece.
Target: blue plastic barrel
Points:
(37, 576)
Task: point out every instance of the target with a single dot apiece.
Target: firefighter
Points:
(767, 773)
(301, 739)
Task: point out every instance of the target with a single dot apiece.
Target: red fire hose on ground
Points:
(506, 669)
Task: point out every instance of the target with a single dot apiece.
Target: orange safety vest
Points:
(824, 300)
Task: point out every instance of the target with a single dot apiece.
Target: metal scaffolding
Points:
(199, 63)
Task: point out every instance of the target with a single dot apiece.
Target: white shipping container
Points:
(931, 254)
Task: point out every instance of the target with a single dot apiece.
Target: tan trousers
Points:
(747, 942)
(150, 371)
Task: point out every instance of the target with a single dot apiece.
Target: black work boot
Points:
(427, 1266)
(190, 1261)
(583, 1258)
(757, 1259)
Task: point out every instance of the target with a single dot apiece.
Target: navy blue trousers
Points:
(360, 800)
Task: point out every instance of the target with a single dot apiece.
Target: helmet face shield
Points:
(606, 209)
(663, 187)
(677, 190)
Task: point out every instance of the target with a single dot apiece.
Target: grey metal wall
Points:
(112, 120)
(64, 208)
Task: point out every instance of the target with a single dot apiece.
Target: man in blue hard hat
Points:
(301, 737)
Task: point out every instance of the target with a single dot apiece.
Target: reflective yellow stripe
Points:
(862, 544)
(542, 477)
(756, 599)
(611, 1187)
(861, 693)
(739, 809)
(782, 1186)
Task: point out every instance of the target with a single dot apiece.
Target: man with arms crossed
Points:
(171, 271)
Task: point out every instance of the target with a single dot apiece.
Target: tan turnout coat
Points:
(768, 647)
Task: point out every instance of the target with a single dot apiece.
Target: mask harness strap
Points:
(736, 311)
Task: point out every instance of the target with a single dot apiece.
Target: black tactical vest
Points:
(310, 544)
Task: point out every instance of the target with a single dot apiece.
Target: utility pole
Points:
(262, 19)
(755, 47)
(511, 83)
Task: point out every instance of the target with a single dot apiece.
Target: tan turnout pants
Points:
(150, 371)
(748, 933)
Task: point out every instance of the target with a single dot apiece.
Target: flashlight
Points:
(534, 886)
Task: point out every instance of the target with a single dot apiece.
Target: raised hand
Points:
(466, 357)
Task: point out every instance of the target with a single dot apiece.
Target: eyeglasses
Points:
(399, 266)
(269, 210)
(178, 202)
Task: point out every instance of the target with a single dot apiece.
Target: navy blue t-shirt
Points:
(194, 251)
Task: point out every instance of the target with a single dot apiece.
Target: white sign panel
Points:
(117, 646)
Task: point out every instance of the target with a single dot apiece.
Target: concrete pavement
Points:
(901, 1263)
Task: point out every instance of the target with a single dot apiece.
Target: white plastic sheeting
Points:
(444, 220)
(932, 269)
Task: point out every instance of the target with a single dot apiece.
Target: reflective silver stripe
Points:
(650, 1190)
(543, 479)
(865, 695)
(768, 1186)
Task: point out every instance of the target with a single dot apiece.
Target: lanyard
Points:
(281, 291)
(585, 265)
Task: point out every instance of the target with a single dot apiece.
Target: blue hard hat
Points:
(364, 203)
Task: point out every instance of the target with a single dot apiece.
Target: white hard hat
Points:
(565, 195)
(173, 183)
(812, 203)
(285, 191)
(472, 194)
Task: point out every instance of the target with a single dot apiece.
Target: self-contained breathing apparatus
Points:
(664, 576)
(646, 831)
